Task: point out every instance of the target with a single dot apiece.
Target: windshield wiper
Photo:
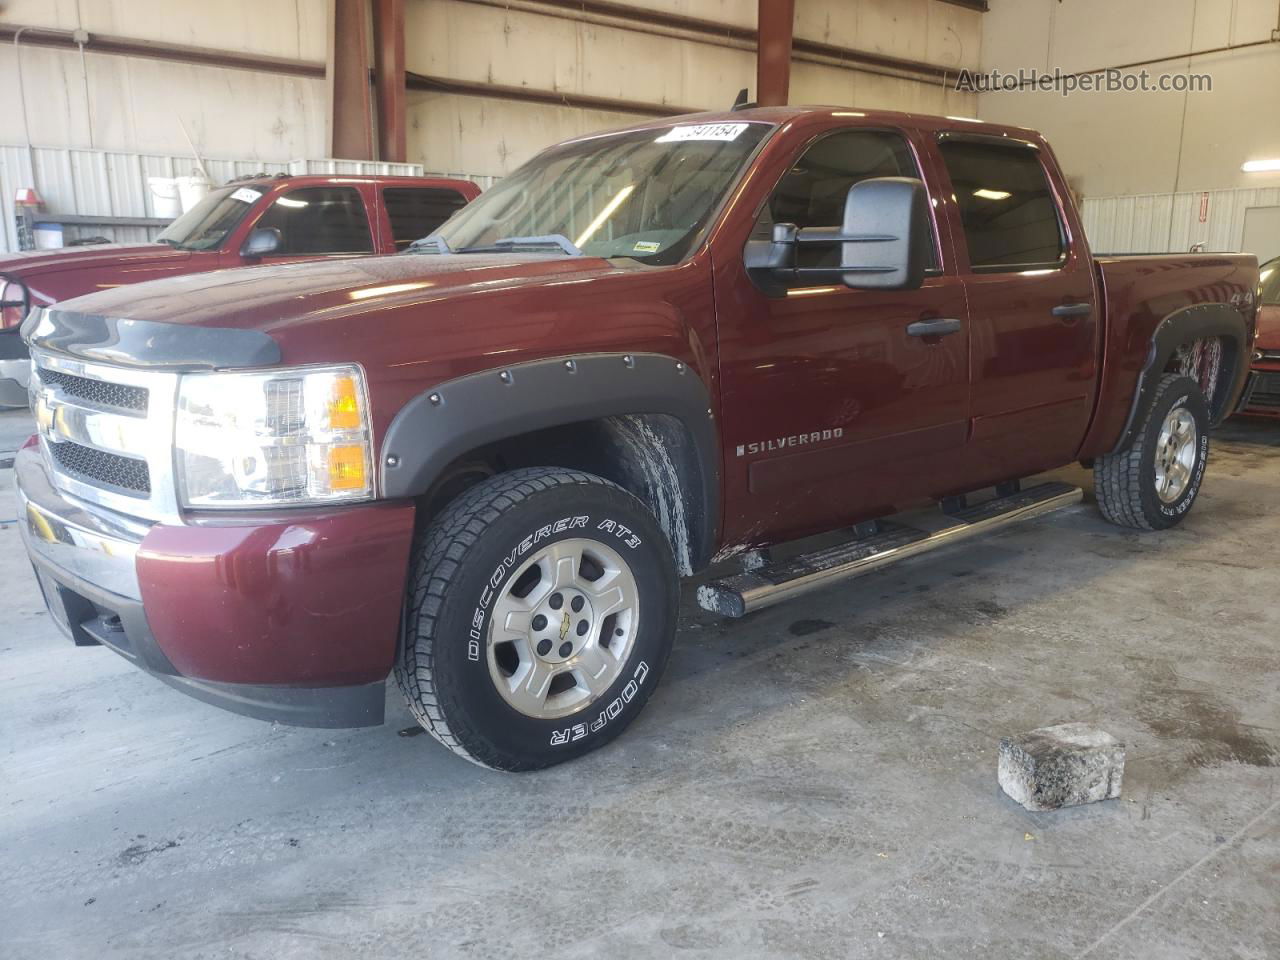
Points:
(176, 244)
(434, 243)
(556, 240)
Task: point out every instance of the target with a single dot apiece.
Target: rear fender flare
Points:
(437, 427)
(1183, 327)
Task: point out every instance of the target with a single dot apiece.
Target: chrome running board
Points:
(744, 593)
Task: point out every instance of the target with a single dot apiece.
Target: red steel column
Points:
(774, 26)
(349, 59)
(388, 69)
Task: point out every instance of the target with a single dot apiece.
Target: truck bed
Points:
(1138, 291)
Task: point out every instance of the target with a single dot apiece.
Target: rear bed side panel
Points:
(1139, 293)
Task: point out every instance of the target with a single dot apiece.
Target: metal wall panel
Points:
(1170, 222)
(102, 183)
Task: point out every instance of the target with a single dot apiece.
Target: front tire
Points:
(1153, 484)
(541, 614)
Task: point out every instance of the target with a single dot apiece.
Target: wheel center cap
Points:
(561, 626)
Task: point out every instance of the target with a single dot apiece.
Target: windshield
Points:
(207, 224)
(645, 194)
(1271, 283)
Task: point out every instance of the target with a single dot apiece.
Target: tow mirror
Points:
(262, 242)
(15, 303)
(884, 242)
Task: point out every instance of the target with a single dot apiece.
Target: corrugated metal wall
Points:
(1170, 222)
(100, 183)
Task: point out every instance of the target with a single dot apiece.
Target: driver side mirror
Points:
(262, 242)
(884, 242)
(15, 303)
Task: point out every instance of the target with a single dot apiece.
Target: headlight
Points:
(277, 438)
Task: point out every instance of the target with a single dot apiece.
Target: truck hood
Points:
(275, 298)
(32, 264)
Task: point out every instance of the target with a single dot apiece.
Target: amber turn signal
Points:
(346, 467)
(344, 405)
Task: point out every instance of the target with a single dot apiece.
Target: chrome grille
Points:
(100, 392)
(107, 433)
(98, 466)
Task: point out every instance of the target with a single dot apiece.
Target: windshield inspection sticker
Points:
(703, 131)
(646, 246)
(245, 195)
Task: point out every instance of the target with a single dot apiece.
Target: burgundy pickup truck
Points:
(484, 466)
(252, 221)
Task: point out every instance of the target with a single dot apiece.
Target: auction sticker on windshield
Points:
(703, 131)
(245, 195)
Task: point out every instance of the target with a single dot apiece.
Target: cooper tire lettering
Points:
(615, 707)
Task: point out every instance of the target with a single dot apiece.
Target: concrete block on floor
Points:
(1061, 766)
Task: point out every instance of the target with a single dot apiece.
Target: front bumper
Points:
(292, 618)
(1261, 396)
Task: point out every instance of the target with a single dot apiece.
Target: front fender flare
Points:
(437, 427)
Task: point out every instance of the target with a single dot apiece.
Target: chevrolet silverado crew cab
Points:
(255, 220)
(485, 464)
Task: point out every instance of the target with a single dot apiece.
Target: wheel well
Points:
(1212, 363)
(652, 456)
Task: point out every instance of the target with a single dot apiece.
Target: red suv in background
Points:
(246, 222)
(1262, 397)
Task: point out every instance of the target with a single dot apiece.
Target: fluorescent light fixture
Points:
(986, 194)
(291, 202)
(1262, 166)
(604, 215)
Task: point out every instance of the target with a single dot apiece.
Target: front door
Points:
(314, 222)
(1033, 331)
(836, 405)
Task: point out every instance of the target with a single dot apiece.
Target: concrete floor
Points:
(816, 781)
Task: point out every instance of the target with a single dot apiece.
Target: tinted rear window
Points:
(1010, 217)
(416, 212)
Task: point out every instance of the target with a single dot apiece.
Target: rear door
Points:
(1033, 318)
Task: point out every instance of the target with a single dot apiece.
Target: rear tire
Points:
(1153, 484)
(542, 610)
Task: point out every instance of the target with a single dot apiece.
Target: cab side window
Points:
(315, 221)
(1010, 216)
(813, 191)
(416, 212)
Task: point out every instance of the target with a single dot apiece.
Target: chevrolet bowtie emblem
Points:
(564, 625)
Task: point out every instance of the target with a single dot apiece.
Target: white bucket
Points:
(191, 190)
(48, 236)
(164, 198)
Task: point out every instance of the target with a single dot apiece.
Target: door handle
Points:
(933, 328)
(1072, 310)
